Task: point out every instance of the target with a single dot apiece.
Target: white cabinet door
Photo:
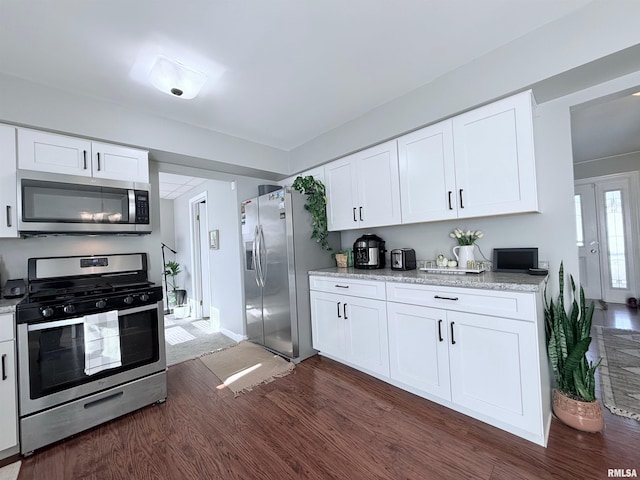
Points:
(351, 329)
(119, 163)
(8, 385)
(427, 174)
(494, 158)
(363, 189)
(378, 186)
(494, 368)
(418, 348)
(366, 341)
(327, 327)
(48, 152)
(342, 195)
(8, 185)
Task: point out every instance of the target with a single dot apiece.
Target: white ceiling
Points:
(291, 69)
(172, 186)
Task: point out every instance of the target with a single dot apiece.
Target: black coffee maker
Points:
(368, 252)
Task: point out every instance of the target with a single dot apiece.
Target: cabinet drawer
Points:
(503, 304)
(6, 327)
(348, 286)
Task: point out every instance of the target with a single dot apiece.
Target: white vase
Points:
(464, 255)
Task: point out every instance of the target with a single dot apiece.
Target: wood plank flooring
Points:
(324, 421)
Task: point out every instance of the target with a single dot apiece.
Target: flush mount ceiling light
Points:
(176, 79)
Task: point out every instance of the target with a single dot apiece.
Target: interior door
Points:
(588, 241)
(205, 280)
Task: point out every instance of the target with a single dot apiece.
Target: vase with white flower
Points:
(465, 248)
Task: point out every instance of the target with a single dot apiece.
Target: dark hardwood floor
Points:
(324, 421)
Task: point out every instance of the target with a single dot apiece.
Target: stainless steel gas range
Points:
(90, 344)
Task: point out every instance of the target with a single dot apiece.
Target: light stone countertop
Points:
(8, 305)
(518, 282)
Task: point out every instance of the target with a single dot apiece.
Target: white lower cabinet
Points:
(8, 388)
(476, 351)
(418, 348)
(351, 329)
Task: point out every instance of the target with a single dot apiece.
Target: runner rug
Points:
(246, 365)
(620, 370)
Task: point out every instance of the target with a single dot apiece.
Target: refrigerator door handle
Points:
(254, 256)
(263, 273)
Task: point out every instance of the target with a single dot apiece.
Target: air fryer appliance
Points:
(403, 259)
(368, 252)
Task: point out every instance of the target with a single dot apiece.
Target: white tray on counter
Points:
(452, 270)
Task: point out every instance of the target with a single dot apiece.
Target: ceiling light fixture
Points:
(176, 79)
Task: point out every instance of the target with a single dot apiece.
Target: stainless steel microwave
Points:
(51, 203)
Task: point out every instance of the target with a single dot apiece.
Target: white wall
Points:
(29, 104)
(607, 166)
(601, 28)
(225, 264)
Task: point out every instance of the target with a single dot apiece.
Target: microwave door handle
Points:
(132, 206)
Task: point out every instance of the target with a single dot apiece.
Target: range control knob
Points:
(128, 300)
(47, 312)
(69, 309)
(101, 303)
(144, 297)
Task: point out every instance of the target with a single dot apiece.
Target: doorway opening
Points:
(607, 237)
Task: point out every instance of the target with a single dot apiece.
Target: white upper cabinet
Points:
(427, 174)
(48, 152)
(363, 189)
(480, 163)
(119, 163)
(494, 159)
(8, 186)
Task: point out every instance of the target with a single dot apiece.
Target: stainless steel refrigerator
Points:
(278, 253)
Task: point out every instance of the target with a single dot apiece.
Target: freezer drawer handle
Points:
(4, 366)
(445, 298)
(339, 309)
(95, 403)
(341, 286)
(440, 331)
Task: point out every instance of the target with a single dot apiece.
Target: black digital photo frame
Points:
(515, 260)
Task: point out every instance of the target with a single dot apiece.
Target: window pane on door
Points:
(615, 238)
(579, 227)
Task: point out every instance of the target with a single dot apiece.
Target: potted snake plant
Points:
(568, 339)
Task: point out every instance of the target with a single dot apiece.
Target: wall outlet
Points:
(543, 264)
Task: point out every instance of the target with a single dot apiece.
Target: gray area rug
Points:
(186, 339)
(620, 370)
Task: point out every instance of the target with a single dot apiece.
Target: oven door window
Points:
(56, 352)
(64, 202)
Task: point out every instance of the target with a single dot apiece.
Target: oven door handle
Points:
(58, 323)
